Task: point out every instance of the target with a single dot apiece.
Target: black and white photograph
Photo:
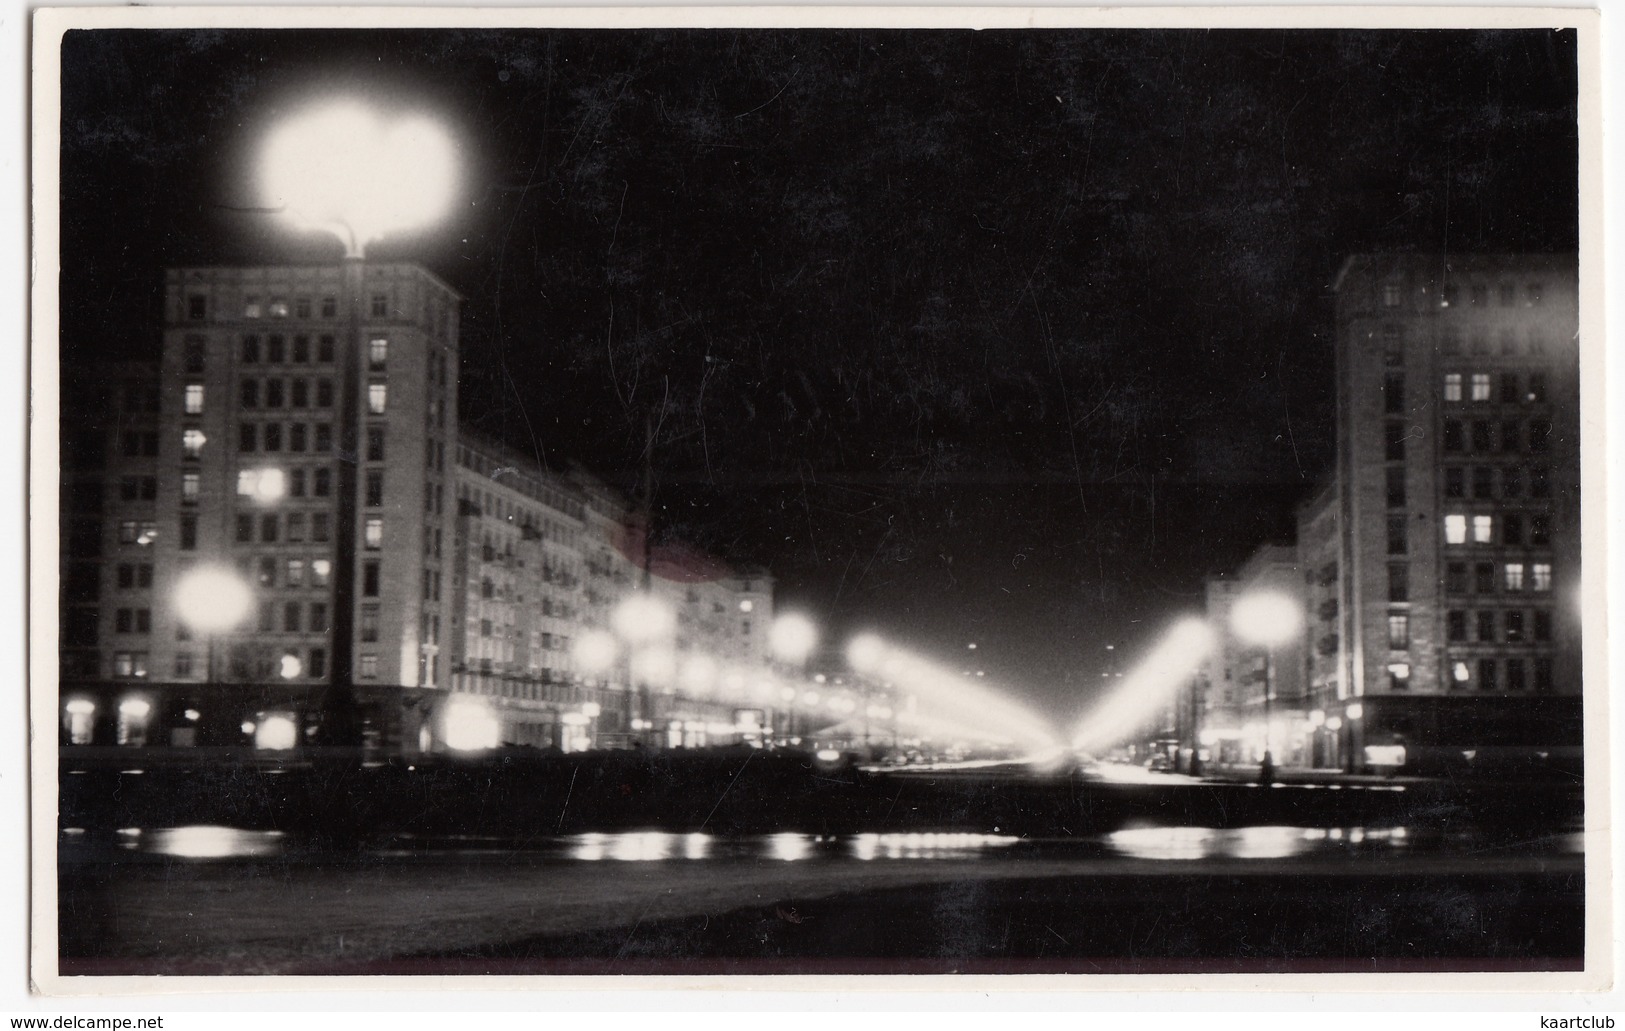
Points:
(678, 497)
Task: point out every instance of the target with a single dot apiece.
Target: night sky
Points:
(1008, 336)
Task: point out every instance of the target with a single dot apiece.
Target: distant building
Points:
(1234, 720)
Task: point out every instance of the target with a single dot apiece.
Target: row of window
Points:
(272, 528)
(1513, 389)
(1485, 436)
(1489, 577)
(295, 392)
(293, 617)
(1476, 295)
(1460, 528)
(268, 437)
(1493, 626)
(1509, 343)
(280, 571)
(1514, 480)
(1489, 675)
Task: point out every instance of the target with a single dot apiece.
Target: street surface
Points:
(1450, 893)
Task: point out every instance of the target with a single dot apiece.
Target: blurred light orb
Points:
(793, 637)
(865, 653)
(594, 651)
(699, 673)
(347, 169)
(276, 734)
(642, 618)
(270, 485)
(211, 599)
(1266, 618)
(470, 726)
(290, 667)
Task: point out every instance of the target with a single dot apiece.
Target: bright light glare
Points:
(134, 707)
(699, 673)
(1148, 689)
(594, 651)
(470, 726)
(276, 733)
(1266, 618)
(290, 667)
(793, 637)
(348, 170)
(642, 618)
(211, 599)
(866, 653)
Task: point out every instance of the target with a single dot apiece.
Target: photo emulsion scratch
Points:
(767, 500)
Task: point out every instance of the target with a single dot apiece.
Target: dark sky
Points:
(1002, 336)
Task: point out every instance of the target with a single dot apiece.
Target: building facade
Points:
(295, 407)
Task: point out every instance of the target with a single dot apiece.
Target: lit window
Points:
(1460, 673)
(320, 570)
(1455, 529)
(377, 398)
(251, 307)
(1512, 576)
(295, 575)
(1481, 386)
(1483, 529)
(189, 486)
(278, 308)
(1399, 676)
(369, 666)
(378, 352)
(1452, 386)
(1540, 575)
(1399, 631)
(192, 441)
(374, 533)
(194, 399)
(1390, 295)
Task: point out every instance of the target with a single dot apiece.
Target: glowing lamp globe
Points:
(793, 637)
(212, 599)
(1266, 618)
(642, 618)
(866, 653)
(594, 652)
(347, 169)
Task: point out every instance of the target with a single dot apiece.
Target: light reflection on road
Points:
(1154, 843)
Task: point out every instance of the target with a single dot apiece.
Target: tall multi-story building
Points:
(294, 405)
(1458, 485)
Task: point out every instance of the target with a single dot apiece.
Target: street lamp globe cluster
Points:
(351, 171)
(1267, 619)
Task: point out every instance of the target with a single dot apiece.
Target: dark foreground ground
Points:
(1122, 923)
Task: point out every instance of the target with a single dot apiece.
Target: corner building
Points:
(1458, 494)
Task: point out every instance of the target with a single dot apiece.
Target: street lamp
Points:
(212, 599)
(1267, 619)
(345, 169)
(793, 638)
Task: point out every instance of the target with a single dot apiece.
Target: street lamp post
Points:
(343, 169)
(1267, 619)
(212, 600)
